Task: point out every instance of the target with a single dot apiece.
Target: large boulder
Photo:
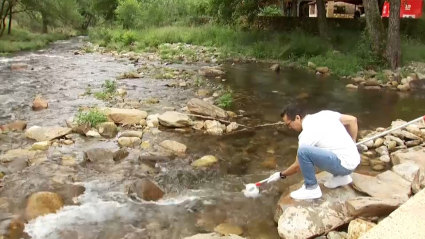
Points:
(358, 228)
(99, 155)
(125, 116)
(46, 133)
(16, 125)
(414, 155)
(22, 155)
(175, 119)
(42, 203)
(198, 106)
(173, 146)
(108, 129)
(39, 104)
(307, 218)
(146, 190)
(205, 161)
(409, 171)
(385, 185)
(372, 207)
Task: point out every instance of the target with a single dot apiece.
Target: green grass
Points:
(21, 40)
(108, 90)
(226, 99)
(345, 53)
(93, 117)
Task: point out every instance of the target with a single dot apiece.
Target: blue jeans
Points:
(310, 156)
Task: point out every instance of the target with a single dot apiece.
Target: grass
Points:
(21, 40)
(226, 99)
(93, 117)
(108, 90)
(345, 53)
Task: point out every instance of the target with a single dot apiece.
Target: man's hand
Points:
(274, 177)
(350, 123)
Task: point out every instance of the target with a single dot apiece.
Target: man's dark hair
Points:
(293, 110)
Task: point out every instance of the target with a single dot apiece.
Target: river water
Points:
(196, 200)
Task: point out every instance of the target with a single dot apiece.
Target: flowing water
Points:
(196, 200)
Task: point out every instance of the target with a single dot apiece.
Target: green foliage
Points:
(93, 117)
(271, 11)
(108, 91)
(226, 99)
(128, 13)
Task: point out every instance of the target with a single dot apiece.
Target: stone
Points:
(205, 161)
(275, 67)
(311, 65)
(336, 235)
(198, 125)
(369, 143)
(213, 127)
(358, 80)
(378, 142)
(383, 150)
(39, 104)
(375, 187)
(173, 146)
(44, 145)
(228, 229)
(232, 127)
(19, 67)
(152, 121)
(410, 172)
(93, 134)
(42, 203)
(396, 139)
(396, 180)
(372, 207)
(404, 88)
(145, 145)
(13, 154)
(212, 236)
(413, 143)
(129, 141)
(125, 116)
(108, 129)
(175, 119)
(385, 158)
(121, 92)
(372, 82)
(322, 70)
(68, 160)
(81, 128)
(414, 129)
(18, 125)
(365, 161)
(143, 122)
(409, 135)
(146, 190)
(46, 133)
(202, 93)
(310, 218)
(413, 155)
(120, 154)
(358, 227)
(390, 144)
(211, 71)
(198, 106)
(99, 155)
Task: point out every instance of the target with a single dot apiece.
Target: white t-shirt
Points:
(325, 130)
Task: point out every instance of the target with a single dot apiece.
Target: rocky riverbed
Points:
(101, 144)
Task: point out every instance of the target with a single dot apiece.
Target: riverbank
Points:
(345, 54)
(22, 40)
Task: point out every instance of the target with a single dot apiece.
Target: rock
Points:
(143, 122)
(396, 180)
(322, 70)
(120, 154)
(205, 161)
(378, 142)
(385, 158)
(413, 155)
(351, 86)
(39, 104)
(18, 125)
(358, 227)
(231, 114)
(404, 81)
(125, 116)
(383, 150)
(377, 164)
(414, 129)
(228, 229)
(138, 134)
(145, 145)
(372, 207)
(202, 93)
(175, 119)
(410, 172)
(42, 203)
(365, 161)
(310, 218)
(146, 190)
(358, 80)
(153, 121)
(173, 146)
(336, 235)
(198, 106)
(372, 82)
(409, 135)
(44, 145)
(213, 236)
(13, 154)
(80, 129)
(211, 71)
(108, 129)
(375, 87)
(275, 67)
(129, 141)
(68, 160)
(99, 155)
(397, 140)
(390, 144)
(198, 125)
(19, 67)
(232, 127)
(92, 133)
(413, 143)
(311, 65)
(213, 127)
(46, 133)
(375, 187)
(369, 143)
(403, 87)
(121, 92)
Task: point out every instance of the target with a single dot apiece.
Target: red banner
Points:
(408, 9)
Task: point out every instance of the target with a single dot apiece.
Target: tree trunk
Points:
(45, 23)
(321, 18)
(283, 7)
(9, 31)
(294, 8)
(3, 22)
(393, 51)
(375, 27)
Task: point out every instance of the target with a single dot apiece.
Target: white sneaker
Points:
(303, 193)
(338, 181)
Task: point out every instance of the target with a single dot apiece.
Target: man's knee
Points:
(304, 150)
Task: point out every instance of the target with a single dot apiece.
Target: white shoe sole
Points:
(350, 180)
(311, 196)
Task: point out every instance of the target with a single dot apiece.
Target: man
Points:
(327, 141)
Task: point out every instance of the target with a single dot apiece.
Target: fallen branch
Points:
(212, 118)
(271, 124)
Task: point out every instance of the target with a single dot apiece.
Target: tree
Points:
(321, 18)
(6, 10)
(375, 27)
(393, 50)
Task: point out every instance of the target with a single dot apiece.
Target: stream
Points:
(196, 200)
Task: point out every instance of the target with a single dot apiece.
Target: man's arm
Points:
(350, 123)
(293, 169)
